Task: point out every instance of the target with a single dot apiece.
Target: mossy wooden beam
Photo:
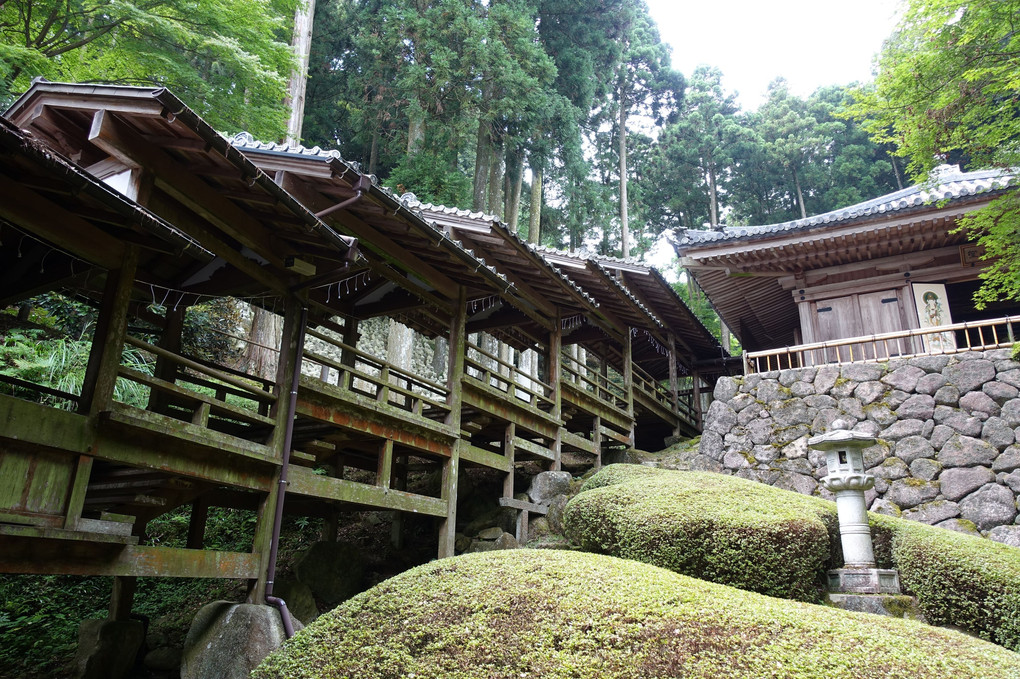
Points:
(476, 455)
(306, 482)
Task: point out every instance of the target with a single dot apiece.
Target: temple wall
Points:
(948, 430)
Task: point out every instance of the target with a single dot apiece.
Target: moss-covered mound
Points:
(756, 537)
(550, 614)
(709, 526)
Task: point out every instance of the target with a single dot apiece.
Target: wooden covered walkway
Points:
(125, 199)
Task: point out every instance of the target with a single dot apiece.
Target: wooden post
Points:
(173, 328)
(108, 340)
(628, 379)
(384, 472)
(121, 598)
(280, 413)
(696, 398)
(674, 386)
(196, 526)
(451, 467)
(509, 452)
(76, 501)
(399, 483)
(596, 438)
(554, 379)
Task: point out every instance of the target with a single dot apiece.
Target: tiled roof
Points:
(949, 184)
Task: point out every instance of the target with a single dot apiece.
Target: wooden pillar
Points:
(674, 383)
(173, 329)
(196, 525)
(108, 340)
(280, 413)
(399, 483)
(76, 501)
(509, 451)
(596, 438)
(628, 379)
(555, 379)
(384, 471)
(696, 398)
(451, 467)
(121, 598)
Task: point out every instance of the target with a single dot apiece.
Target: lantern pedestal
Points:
(864, 581)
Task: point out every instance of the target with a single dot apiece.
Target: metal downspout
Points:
(288, 437)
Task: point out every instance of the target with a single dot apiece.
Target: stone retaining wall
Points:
(948, 430)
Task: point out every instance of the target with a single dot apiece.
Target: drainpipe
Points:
(288, 437)
(363, 184)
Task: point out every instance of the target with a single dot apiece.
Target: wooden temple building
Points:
(125, 199)
(892, 276)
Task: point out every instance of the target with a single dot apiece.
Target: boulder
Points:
(711, 445)
(979, 402)
(229, 640)
(163, 660)
(907, 493)
(825, 378)
(1010, 377)
(993, 505)
(930, 364)
(932, 512)
(930, 384)
(902, 429)
(861, 372)
(884, 506)
(107, 649)
(970, 375)
(891, 469)
(1008, 460)
(1000, 392)
(720, 417)
(918, 406)
(547, 485)
(507, 541)
(940, 434)
(1011, 413)
(904, 378)
(332, 570)
(725, 388)
(947, 396)
(881, 414)
(925, 469)
(912, 448)
(960, 526)
(966, 451)
(997, 433)
(799, 483)
(788, 378)
(1007, 535)
(791, 412)
(299, 598)
(869, 392)
(959, 482)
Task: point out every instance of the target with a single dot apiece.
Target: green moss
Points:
(550, 614)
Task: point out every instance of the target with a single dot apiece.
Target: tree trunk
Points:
(483, 156)
(373, 154)
(713, 198)
(515, 182)
(495, 180)
(259, 357)
(800, 195)
(896, 171)
(624, 232)
(301, 43)
(535, 223)
(415, 130)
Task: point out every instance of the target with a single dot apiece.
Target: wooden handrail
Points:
(375, 362)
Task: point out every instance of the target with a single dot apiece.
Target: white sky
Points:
(809, 42)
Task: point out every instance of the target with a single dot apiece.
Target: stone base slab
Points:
(864, 581)
(893, 605)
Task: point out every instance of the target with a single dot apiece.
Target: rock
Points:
(725, 388)
(790, 412)
(1010, 377)
(918, 406)
(703, 463)
(750, 413)
(711, 445)
(820, 401)
(741, 401)
(992, 505)
(852, 407)
(883, 506)
(1007, 535)
(760, 431)
(332, 570)
(1012, 480)
(958, 482)
(547, 485)
(229, 640)
(930, 364)
(823, 420)
(930, 384)
(107, 648)
(825, 378)
(891, 469)
(1008, 460)
(905, 378)
(959, 421)
(902, 429)
(947, 396)
(995, 431)
(979, 402)
(490, 533)
(481, 546)
(555, 514)
(965, 451)
(907, 493)
(163, 659)
(1011, 413)
(881, 414)
(913, 447)
(796, 449)
(875, 455)
(1000, 392)
(940, 434)
(802, 389)
(299, 598)
(969, 375)
(789, 377)
(925, 469)
(787, 434)
(736, 460)
(861, 372)
(869, 392)
(507, 541)
(461, 543)
(799, 483)
(933, 512)
(765, 453)
(867, 427)
(720, 417)
(960, 526)
(749, 383)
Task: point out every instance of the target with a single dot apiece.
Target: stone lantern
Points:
(847, 479)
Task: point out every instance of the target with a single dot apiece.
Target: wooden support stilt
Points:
(509, 452)
(554, 378)
(451, 466)
(628, 379)
(196, 525)
(122, 597)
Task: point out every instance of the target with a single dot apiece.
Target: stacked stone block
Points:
(948, 430)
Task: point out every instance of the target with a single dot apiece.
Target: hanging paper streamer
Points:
(346, 286)
(483, 304)
(572, 322)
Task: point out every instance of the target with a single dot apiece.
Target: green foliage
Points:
(567, 614)
(229, 59)
(946, 91)
(721, 529)
(431, 180)
(207, 330)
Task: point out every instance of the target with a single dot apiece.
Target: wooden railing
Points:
(213, 391)
(598, 385)
(945, 339)
(506, 377)
(658, 392)
(364, 374)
